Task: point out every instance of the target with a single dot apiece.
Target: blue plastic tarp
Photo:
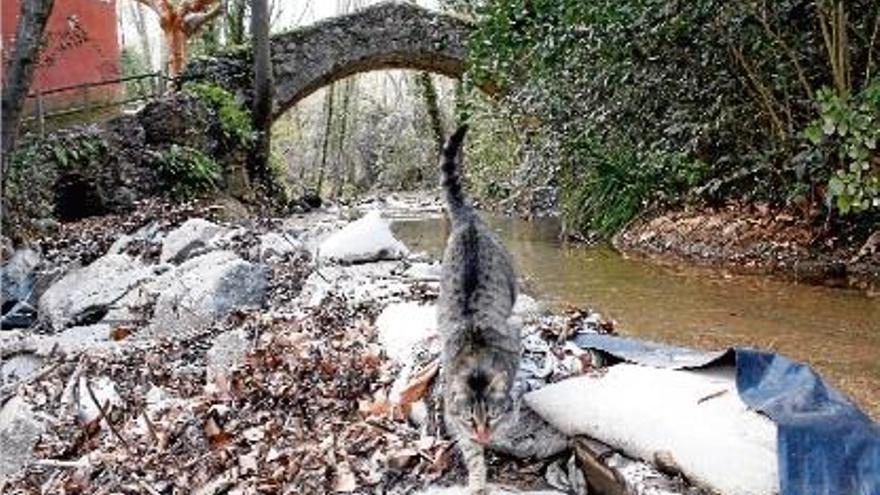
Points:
(826, 445)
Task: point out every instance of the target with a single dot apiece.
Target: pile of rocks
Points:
(295, 356)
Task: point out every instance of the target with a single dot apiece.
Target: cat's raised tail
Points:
(450, 166)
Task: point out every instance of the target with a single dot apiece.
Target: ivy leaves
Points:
(848, 131)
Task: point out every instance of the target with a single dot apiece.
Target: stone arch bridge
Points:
(382, 36)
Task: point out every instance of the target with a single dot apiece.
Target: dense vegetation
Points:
(634, 103)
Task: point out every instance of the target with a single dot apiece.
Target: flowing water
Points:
(835, 330)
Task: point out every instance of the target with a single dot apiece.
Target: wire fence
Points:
(82, 99)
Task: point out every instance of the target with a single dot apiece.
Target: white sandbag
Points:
(696, 417)
(367, 239)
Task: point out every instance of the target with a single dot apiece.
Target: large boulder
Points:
(179, 118)
(193, 237)
(83, 296)
(204, 289)
(127, 177)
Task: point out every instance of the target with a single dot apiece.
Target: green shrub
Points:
(235, 120)
(730, 84)
(610, 184)
(188, 171)
(492, 156)
(34, 168)
(846, 136)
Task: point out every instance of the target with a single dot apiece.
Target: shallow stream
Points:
(835, 330)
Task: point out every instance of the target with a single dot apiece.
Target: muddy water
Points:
(835, 330)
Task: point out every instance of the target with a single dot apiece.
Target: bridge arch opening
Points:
(375, 130)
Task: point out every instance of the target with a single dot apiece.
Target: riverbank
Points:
(182, 349)
(756, 239)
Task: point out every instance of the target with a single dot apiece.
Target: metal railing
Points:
(158, 85)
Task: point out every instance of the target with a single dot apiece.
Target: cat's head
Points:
(479, 400)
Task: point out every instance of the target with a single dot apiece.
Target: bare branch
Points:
(196, 20)
(151, 4)
(194, 6)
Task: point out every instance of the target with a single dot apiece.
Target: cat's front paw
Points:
(480, 489)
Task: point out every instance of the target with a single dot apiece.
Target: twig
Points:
(785, 48)
(148, 488)
(764, 94)
(7, 391)
(318, 265)
(71, 390)
(79, 463)
(150, 428)
(712, 396)
(375, 424)
(103, 415)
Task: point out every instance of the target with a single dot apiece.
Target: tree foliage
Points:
(668, 84)
(188, 171)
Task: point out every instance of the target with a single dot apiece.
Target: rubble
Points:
(305, 377)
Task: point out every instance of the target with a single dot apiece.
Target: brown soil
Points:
(759, 239)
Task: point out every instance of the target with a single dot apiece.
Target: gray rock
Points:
(206, 288)
(77, 339)
(193, 237)
(178, 118)
(274, 244)
(19, 432)
(84, 295)
(19, 367)
(147, 233)
(18, 276)
(227, 350)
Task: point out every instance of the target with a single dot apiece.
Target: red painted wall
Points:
(81, 47)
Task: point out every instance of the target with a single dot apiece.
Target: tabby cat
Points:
(481, 349)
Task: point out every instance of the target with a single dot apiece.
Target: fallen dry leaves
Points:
(286, 420)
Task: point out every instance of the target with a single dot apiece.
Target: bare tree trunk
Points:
(343, 118)
(33, 16)
(140, 24)
(180, 22)
(235, 21)
(351, 117)
(328, 126)
(429, 94)
(262, 109)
